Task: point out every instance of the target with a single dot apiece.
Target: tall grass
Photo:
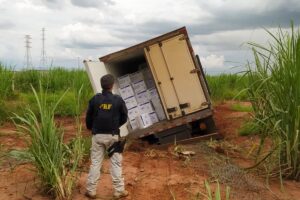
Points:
(6, 89)
(15, 89)
(55, 79)
(275, 95)
(55, 161)
(6, 82)
(227, 87)
(25, 79)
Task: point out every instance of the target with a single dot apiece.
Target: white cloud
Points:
(94, 28)
(84, 36)
(213, 61)
(92, 3)
(232, 40)
(185, 11)
(26, 5)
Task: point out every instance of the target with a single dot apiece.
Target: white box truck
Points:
(178, 78)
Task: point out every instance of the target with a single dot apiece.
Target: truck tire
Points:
(203, 126)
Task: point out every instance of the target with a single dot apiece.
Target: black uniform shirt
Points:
(106, 113)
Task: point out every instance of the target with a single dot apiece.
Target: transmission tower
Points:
(28, 60)
(43, 61)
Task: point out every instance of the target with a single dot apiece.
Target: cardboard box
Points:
(154, 118)
(150, 83)
(144, 120)
(136, 77)
(142, 97)
(148, 78)
(131, 102)
(133, 124)
(153, 93)
(124, 81)
(145, 108)
(133, 113)
(139, 87)
(126, 92)
(158, 108)
(147, 73)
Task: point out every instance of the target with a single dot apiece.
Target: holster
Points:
(117, 147)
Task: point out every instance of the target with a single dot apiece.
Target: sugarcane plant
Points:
(275, 96)
(56, 162)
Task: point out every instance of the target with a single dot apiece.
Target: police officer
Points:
(105, 115)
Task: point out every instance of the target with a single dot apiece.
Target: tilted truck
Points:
(179, 80)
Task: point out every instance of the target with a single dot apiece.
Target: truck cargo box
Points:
(168, 66)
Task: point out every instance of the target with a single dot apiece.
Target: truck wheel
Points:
(203, 126)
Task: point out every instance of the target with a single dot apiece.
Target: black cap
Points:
(107, 81)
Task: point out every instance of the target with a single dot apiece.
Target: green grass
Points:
(275, 95)
(6, 82)
(55, 79)
(215, 194)
(3, 115)
(241, 108)
(227, 87)
(67, 106)
(16, 95)
(55, 161)
(249, 128)
(25, 79)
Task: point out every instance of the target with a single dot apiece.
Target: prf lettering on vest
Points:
(105, 106)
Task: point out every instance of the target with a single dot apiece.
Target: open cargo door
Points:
(176, 75)
(95, 71)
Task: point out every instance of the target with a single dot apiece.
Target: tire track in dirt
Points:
(150, 182)
(160, 175)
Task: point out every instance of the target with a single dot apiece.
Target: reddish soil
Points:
(150, 172)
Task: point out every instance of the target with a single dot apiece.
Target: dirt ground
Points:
(158, 173)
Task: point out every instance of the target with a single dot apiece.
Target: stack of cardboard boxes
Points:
(141, 99)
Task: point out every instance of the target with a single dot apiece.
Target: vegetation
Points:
(241, 108)
(15, 90)
(55, 161)
(249, 128)
(215, 195)
(55, 79)
(6, 80)
(227, 87)
(275, 95)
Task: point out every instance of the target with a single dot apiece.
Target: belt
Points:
(106, 133)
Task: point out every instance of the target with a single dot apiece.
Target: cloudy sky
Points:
(88, 29)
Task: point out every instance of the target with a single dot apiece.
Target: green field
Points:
(227, 87)
(16, 90)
